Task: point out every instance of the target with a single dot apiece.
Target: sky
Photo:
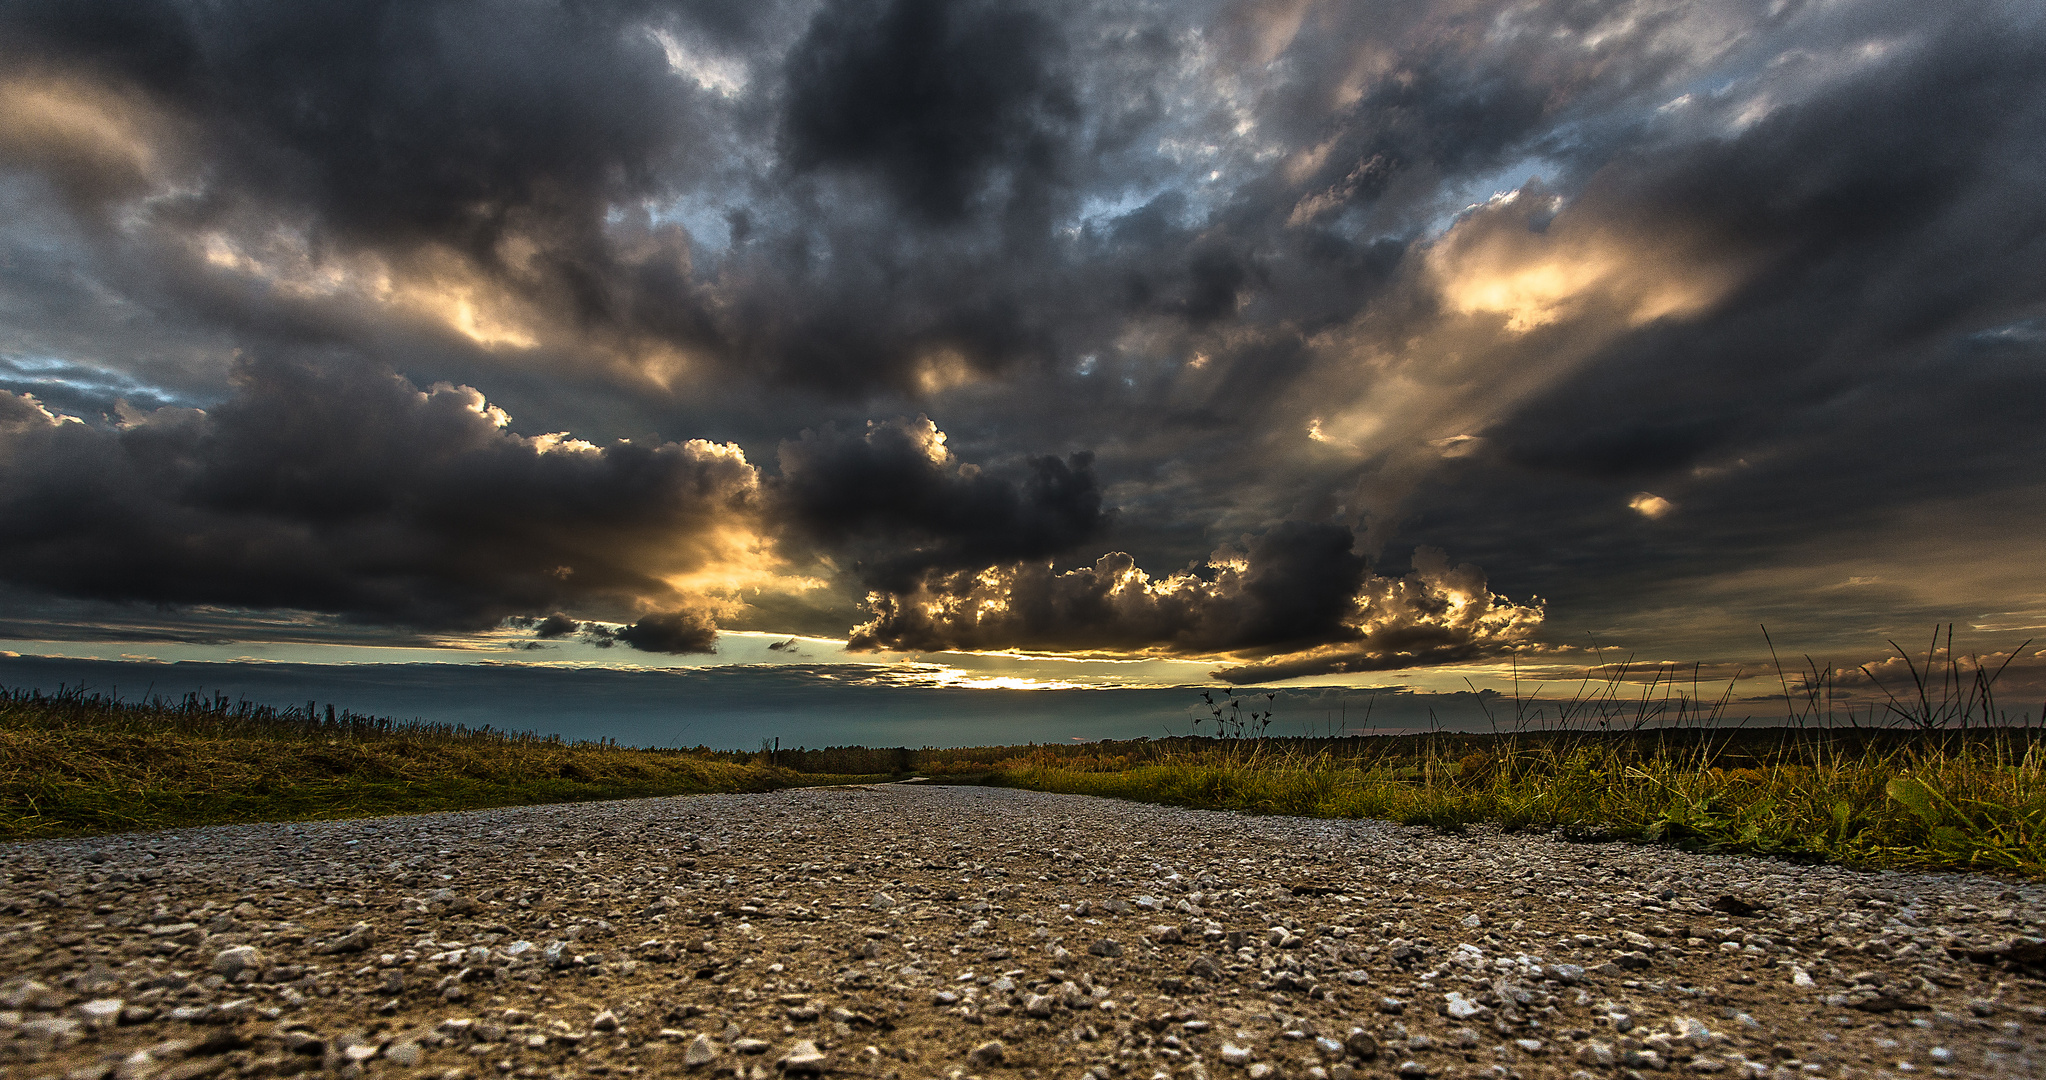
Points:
(991, 356)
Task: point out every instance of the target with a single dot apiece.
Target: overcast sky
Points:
(1347, 342)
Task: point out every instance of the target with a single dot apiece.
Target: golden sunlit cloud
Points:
(441, 288)
(1490, 263)
(79, 129)
(1458, 446)
(1649, 505)
(942, 369)
(1438, 613)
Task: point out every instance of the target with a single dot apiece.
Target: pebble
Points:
(235, 959)
(803, 1059)
(1083, 937)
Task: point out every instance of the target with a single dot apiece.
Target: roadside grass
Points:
(1974, 804)
(73, 763)
(1932, 776)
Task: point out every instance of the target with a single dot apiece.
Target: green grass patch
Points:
(1895, 800)
(72, 764)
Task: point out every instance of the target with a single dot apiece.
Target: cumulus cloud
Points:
(338, 488)
(1298, 598)
(330, 486)
(896, 495)
(554, 626)
(671, 632)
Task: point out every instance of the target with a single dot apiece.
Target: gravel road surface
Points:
(940, 933)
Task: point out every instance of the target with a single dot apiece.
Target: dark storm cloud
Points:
(440, 120)
(1259, 260)
(1297, 592)
(1889, 218)
(894, 496)
(672, 632)
(554, 626)
(330, 487)
(934, 96)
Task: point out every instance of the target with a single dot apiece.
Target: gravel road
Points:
(939, 933)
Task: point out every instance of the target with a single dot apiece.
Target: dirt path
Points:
(931, 932)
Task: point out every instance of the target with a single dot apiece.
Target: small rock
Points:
(701, 1052)
(1234, 1054)
(1410, 1067)
(356, 939)
(1106, 947)
(1692, 1031)
(749, 1046)
(101, 1013)
(449, 902)
(991, 1052)
(604, 1021)
(405, 1053)
(139, 1065)
(234, 960)
(1458, 1007)
(803, 1059)
(28, 994)
(56, 1030)
(1360, 1044)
